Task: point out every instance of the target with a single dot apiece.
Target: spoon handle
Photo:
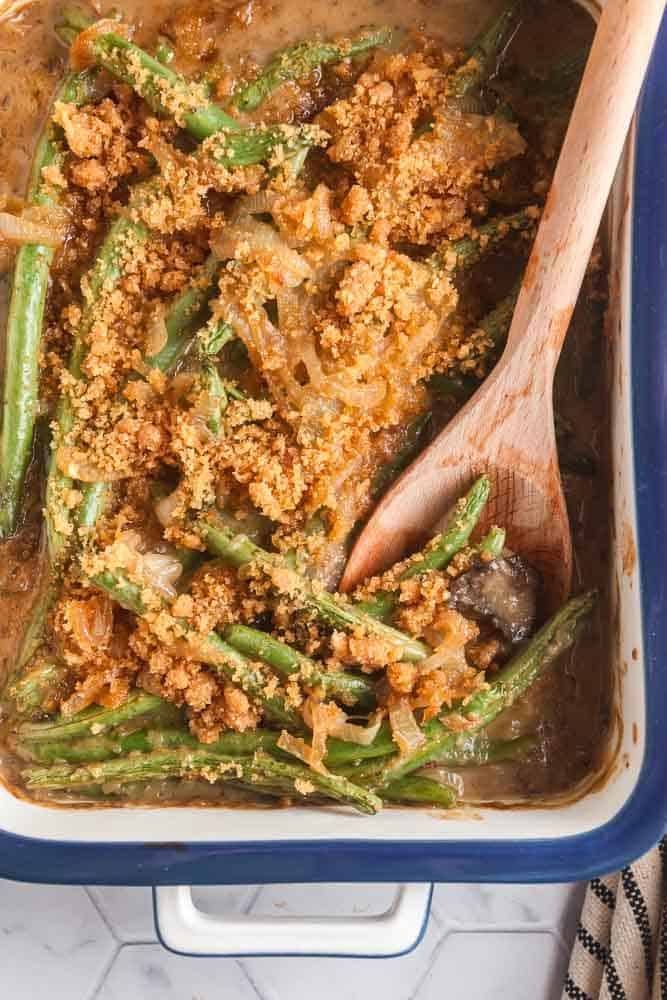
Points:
(588, 161)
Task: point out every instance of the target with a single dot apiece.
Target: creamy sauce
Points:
(570, 706)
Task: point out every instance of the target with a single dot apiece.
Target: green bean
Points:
(95, 497)
(239, 550)
(507, 685)
(215, 335)
(299, 61)
(483, 55)
(37, 690)
(121, 242)
(217, 397)
(463, 254)
(93, 720)
(75, 18)
(164, 52)
(493, 543)
(296, 778)
(442, 549)
(212, 650)
(496, 324)
(24, 323)
(115, 744)
(256, 771)
(256, 145)
(348, 688)
(380, 606)
(466, 750)
(184, 318)
(419, 789)
(341, 753)
(181, 323)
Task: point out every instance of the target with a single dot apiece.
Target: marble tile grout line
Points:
(103, 917)
(251, 979)
(104, 971)
(433, 958)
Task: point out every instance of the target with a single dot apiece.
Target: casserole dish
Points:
(615, 821)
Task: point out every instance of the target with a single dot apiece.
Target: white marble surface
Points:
(482, 943)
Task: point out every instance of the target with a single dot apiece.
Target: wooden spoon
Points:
(507, 429)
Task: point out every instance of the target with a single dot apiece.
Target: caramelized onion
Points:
(165, 507)
(446, 657)
(294, 745)
(91, 622)
(18, 230)
(286, 267)
(161, 571)
(82, 52)
(254, 204)
(14, 9)
(295, 319)
(363, 736)
(156, 335)
(407, 734)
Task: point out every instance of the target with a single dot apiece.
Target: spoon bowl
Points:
(507, 429)
(526, 496)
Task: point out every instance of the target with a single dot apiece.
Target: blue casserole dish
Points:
(614, 822)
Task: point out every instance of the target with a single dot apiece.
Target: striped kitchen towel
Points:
(620, 951)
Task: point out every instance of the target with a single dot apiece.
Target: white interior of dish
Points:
(591, 811)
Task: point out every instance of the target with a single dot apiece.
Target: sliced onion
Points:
(294, 745)
(322, 201)
(404, 728)
(82, 50)
(156, 335)
(363, 736)
(161, 571)
(254, 204)
(321, 717)
(86, 693)
(295, 320)
(324, 717)
(294, 314)
(165, 507)
(165, 155)
(286, 267)
(17, 230)
(266, 345)
(14, 9)
(447, 657)
(91, 622)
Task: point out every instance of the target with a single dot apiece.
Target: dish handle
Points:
(186, 930)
